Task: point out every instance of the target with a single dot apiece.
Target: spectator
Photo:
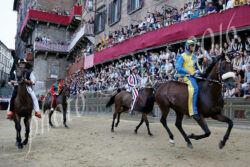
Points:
(211, 8)
(247, 91)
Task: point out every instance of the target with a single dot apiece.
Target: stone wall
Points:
(43, 69)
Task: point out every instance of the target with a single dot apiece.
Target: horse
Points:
(23, 108)
(144, 104)
(60, 100)
(174, 94)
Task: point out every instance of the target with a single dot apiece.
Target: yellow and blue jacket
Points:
(185, 63)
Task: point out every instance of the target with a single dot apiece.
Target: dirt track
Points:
(89, 142)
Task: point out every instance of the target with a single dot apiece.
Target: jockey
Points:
(187, 66)
(55, 90)
(132, 83)
(30, 80)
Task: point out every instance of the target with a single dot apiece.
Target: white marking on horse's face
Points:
(228, 75)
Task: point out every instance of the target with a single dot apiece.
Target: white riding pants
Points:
(34, 99)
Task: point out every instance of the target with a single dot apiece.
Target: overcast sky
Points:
(8, 23)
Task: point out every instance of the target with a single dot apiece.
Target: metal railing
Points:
(237, 109)
(41, 46)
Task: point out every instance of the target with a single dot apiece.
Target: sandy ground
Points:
(89, 142)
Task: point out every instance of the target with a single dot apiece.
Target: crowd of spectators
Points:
(162, 65)
(166, 17)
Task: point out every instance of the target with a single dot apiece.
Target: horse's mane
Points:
(211, 66)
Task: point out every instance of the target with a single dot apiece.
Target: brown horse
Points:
(23, 107)
(144, 104)
(210, 102)
(60, 100)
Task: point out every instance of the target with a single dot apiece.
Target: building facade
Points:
(54, 33)
(6, 61)
(111, 15)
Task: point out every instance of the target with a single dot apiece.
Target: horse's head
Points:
(151, 81)
(225, 71)
(20, 74)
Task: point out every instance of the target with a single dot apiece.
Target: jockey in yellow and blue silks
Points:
(187, 66)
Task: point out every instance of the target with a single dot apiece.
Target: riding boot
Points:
(10, 115)
(196, 117)
(38, 114)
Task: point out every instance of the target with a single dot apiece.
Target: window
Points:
(54, 70)
(90, 5)
(100, 20)
(134, 5)
(114, 11)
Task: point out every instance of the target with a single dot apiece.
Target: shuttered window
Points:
(100, 20)
(134, 5)
(114, 11)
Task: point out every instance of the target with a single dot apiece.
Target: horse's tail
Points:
(112, 99)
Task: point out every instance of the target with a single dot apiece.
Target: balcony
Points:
(83, 31)
(28, 25)
(48, 47)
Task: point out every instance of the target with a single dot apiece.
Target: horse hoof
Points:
(190, 146)
(112, 130)
(171, 141)
(52, 126)
(25, 142)
(221, 144)
(66, 126)
(20, 146)
(135, 131)
(116, 125)
(150, 134)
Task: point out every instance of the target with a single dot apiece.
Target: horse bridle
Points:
(23, 78)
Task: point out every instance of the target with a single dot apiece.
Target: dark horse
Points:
(210, 102)
(144, 104)
(60, 100)
(23, 108)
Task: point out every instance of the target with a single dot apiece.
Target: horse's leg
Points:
(138, 126)
(201, 121)
(50, 123)
(118, 119)
(178, 124)
(147, 124)
(164, 123)
(114, 116)
(18, 132)
(64, 116)
(223, 118)
(117, 109)
(27, 128)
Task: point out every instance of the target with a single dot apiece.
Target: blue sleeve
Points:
(179, 66)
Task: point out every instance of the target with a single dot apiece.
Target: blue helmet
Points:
(189, 42)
